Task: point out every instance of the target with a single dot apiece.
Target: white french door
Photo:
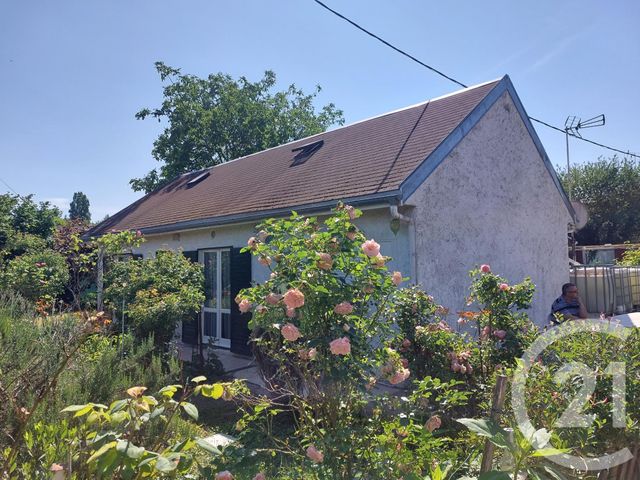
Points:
(216, 311)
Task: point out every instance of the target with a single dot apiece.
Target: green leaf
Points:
(199, 379)
(101, 451)
(494, 475)
(190, 409)
(214, 391)
(540, 438)
(487, 428)
(118, 405)
(167, 463)
(547, 452)
(202, 443)
(129, 449)
(73, 408)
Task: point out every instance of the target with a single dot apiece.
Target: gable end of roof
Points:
(422, 172)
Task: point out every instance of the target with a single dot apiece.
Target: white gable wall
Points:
(492, 201)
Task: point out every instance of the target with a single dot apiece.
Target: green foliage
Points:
(26, 216)
(631, 258)
(525, 452)
(610, 189)
(40, 275)
(158, 293)
(216, 119)
(79, 208)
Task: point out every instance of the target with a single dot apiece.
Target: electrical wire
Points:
(9, 187)
(457, 82)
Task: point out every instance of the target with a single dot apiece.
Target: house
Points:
(463, 176)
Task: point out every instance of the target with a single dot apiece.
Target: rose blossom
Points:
(433, 423)
(405, 362)
(244, 305)
(340, 346)
(399, 376)
(351, 211)
(371, 248)
(260, 476)
(265, 261)
(294, 298)
(325, 262)
(262, 235)
(351, 236)
(290, 332)
(406, 343)
(396, 278)
(261, 309)
(344, 308)
(314, 454)
(308, 354)
(379, 260)
(485, 268)
(273, 298)
(291, 312)
(226, 475)
(252, 242)
(500, 334)
(504, 287)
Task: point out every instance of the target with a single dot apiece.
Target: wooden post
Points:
(496, 409)
(100, 279)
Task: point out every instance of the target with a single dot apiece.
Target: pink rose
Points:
(500, 334)
(226, 475)
(291, 312)
(399, 376)
(433, 423)
(308, 354)
(344, 308)
(325, 262)
(504, 287)
(244, 305)
(406, 343)
(262, 235)
(379, 260)
(314, 454)
(469, 369)
(294, 298)
(340, 346)
(252, 242)
(351, 211)
(463, 369)
(272, 275)
(371, 248)
(455, 366)
(290, 332)
(396, 278)
(260, 476)
(351, 236)
(485, 332)
(273, 298)
(138, 233)
(485, 268)
(261, 309)
(265, 261)
(405, 362)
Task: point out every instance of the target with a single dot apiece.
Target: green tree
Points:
(216, 119)
(610, 189)
(38, 219)
(79, 208)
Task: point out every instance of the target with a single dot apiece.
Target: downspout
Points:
(413, 258)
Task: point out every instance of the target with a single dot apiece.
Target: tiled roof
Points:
(359, 160)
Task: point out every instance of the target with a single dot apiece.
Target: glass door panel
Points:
(216, 311)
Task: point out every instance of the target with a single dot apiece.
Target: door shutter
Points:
(240, 278)
(191, 327)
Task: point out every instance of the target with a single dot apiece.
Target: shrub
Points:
(631, 258)
(39, 275)
(158, 293)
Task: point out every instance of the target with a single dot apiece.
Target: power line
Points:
(9, 187)
(451, 79)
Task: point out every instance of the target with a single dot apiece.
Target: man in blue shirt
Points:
(569, 305)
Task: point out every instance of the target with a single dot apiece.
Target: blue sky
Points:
(74, 73)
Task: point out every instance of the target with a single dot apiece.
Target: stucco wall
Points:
(492, 201)
(375, 223)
